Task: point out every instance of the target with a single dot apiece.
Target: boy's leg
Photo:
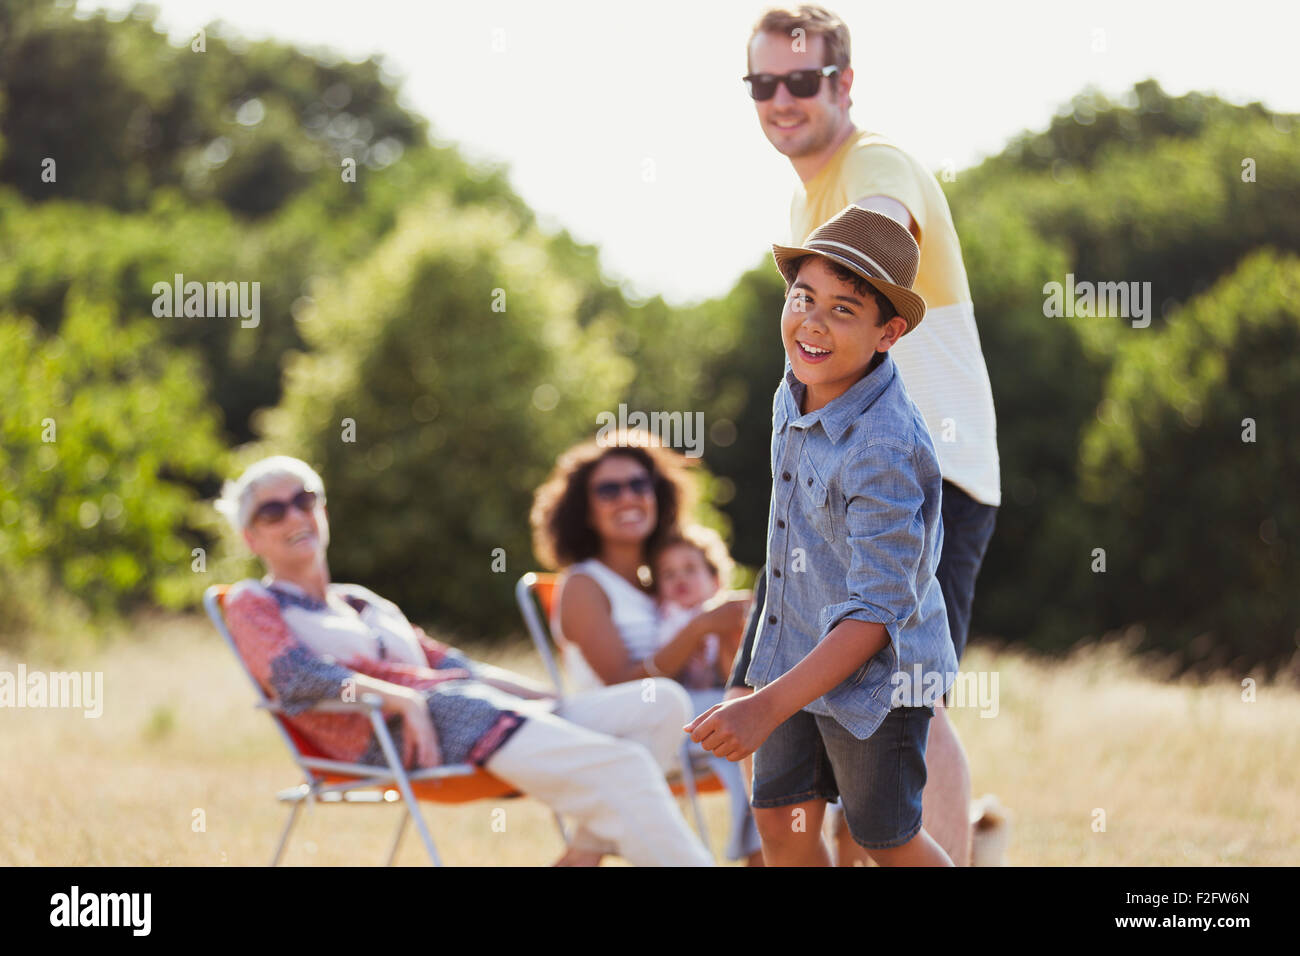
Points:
(613, 787)
(792, 835)
(847, 851)
(792, 782)
(881, 780)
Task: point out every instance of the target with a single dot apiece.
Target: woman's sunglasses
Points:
(610, 490)
(273, 512)
(800, 83)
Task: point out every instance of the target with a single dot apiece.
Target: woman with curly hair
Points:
(597, 519)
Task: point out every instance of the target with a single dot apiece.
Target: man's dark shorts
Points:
(967, 528)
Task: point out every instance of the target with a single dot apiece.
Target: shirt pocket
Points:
(816, 500)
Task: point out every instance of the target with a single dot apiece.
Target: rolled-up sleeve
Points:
(886, 537)
(884, 170)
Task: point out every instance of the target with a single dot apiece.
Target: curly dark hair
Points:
(562, 534)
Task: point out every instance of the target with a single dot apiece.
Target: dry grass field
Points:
(1185, 773)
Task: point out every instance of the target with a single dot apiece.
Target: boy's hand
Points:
(735, 728)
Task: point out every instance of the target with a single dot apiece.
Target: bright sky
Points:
(628, 124)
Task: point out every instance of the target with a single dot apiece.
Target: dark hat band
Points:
(865, 262)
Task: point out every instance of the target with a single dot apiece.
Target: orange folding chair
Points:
(338, 781)
(535, 595)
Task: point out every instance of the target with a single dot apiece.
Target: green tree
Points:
(454, 353)
(103, 433)
(1170, 208)
(1189, 472)
(124, 113)
(742, 368)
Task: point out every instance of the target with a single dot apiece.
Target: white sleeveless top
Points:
(635, 615)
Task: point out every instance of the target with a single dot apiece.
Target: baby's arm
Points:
(672, 618)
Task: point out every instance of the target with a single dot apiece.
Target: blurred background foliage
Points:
(377, 306)
(100, 438)
(452, 356)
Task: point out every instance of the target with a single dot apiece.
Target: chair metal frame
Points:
(532, 606)
(338, 781)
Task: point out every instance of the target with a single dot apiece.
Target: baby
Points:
(688, 570)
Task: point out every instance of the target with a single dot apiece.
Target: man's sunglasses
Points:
(610, 490)
(800, 83)
(273, 512)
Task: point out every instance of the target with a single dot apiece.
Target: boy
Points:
(854, 535)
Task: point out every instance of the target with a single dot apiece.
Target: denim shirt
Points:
(854, 533)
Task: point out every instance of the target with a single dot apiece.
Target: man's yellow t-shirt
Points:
(940, 360)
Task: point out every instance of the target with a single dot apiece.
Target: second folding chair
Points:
(535, 593)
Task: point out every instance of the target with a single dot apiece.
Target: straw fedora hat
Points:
(872, 245)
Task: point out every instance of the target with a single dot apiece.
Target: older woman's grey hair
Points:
(237, 497)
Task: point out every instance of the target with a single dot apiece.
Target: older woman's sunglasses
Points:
(610, 490)
(273, 512)
(800, 83)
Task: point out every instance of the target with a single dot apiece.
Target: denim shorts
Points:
(878, 780)
(967, 528)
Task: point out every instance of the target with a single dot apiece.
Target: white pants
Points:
(600, 758)
(743, 841)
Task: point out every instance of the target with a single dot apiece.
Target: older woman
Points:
(598, 758)
(598, 517)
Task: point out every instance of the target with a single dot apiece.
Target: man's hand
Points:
(735, 728)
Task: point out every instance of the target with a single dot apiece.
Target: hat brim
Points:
(907, 303)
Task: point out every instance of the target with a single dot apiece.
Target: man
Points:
(800, 78)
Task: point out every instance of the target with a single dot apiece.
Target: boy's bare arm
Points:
(735, 728)
(848, 646)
